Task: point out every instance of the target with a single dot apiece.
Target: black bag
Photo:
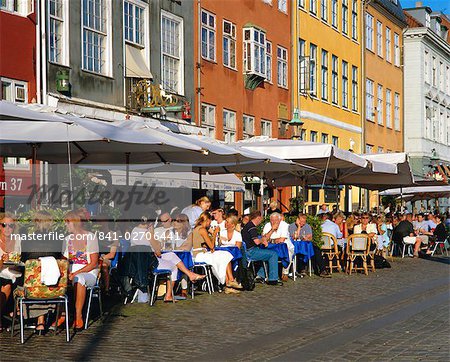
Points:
(381, 262)
(246, 277)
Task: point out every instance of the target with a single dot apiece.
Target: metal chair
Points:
(94, 292)
(408, 242)
(34, 292)
(159, 274)
(358, 246)
(251, 262)
(442, 247)
(330, 249)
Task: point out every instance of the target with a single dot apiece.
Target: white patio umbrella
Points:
(424, 191)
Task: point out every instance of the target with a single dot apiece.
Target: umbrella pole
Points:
(261, 191)
(401, 199)
(200, 180)
(33, 172)
(69, 159)
(127, 169)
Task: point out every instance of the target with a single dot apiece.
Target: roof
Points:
(412, 21)
(394, 9)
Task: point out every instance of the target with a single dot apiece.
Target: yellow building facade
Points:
(327, 80)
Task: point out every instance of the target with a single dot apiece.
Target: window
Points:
(302, 67)
(344, 84)
(388, 108)
(255, 51)
(324, 75)
(269, 61)
(313, 69)
(369, 100)
(369, 148)
(355, 19)
(16, 162)
(369, 31)
(313, 6)
(266, 128)
(229, 44)
(334, 79)
(427, 19)
(19, 7)
(324, 138)
(380, 149)
(334, 13)
(379, 38)
(335, 141)
(380, 104)
(134, 23)
(208, 118)
(229, 126)
(313, 136)
(427, 67)
(434, 73)
(14, 90)
(301, 4)
(388, 44)
(324, 9)
(447, 81)
(441, 77)
(397, 112)
(345, 17)
(303, 135)
(56, 31)
(354, 89)
(172, 52)
(282, 6)
(282, 71)
(208, 36)
(248, 125)
(95, 47)
(396, 50)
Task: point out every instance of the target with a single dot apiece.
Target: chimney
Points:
(419, 4)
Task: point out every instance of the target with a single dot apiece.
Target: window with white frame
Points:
(248, 126)
(313, 136)
(301, 3)
(56, 33)
(441, 77)
(268, 61)
(282, 6)
(172, 52)
(334, 80)
(369, 100)
(313, 69)
(335, 141)
(229, 44)
(14, 90)
(255, 51)
(388, 108)
(369, 31)
(324, 9)
(354, 89)
(302, 67)
(324, 138)
(334, 13)
(208, 36)
(345, 17)
(344, 84)
(18, 7)
(303, 135)
(388, 44)
(324, 75)
(397, 112)
(380, 149)
(229, 126)
(355, 19)
(427, 19)
(369, 148)
(379, 38)
(426, 70)
(16, 162)
(282, 67)
(396, 50)
(380, 104)
(95, 36)
(434, 72)
(208, 118)
(313, 6)
(447, 81)
(266, 128)
(134, 23)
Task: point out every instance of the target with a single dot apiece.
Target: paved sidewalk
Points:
(401, 313)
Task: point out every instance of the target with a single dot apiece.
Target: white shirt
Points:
(215, 224)
(192, 212)
(163, 234)
(330, 227)
(281, 232)
(371, 228)
(236, 238)
(139, 237)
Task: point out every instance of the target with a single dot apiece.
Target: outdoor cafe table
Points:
(282, 252)
(185, 257)
(304, 248)
(233, 250)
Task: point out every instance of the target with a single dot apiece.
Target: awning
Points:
(135, 64)
(225, 182)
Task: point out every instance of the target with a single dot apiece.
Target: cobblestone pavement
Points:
(400, 314)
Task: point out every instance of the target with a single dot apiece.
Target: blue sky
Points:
(436, 5)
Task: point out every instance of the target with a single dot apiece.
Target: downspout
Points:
(43, 52)
(199, 62)
(38, 52)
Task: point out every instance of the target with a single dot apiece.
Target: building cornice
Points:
(382, 10)
(330, 121)
(424, 32)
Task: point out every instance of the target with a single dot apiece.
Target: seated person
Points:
(328, 226)
(439, 234)
(219, 219)
(229, 236)
(366, 227)
(164, 232)
(253, 242)
(402, 229)
(277, 231)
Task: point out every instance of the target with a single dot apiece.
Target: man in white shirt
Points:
(329, 226)
(164, 232)
(277, 230)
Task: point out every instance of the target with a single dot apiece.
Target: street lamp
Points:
(297, 124)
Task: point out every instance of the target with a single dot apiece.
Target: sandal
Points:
(78, 325)
(61, 320)
(198, 277)
(40, 332)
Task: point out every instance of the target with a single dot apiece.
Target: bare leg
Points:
(80, 298)
(105, 275)
(417, 246)
(5, 292)
(191, 275)
(40, 323)
(169, 295)
(229, 277)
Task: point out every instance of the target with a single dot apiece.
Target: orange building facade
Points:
(243, 75)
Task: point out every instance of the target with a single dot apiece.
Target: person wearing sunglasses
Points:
(366, 227)
(10, 249)
(164, 232)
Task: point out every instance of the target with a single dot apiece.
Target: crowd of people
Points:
(198, 229)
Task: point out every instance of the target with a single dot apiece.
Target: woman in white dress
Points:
(220, 260)
(230, 236)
